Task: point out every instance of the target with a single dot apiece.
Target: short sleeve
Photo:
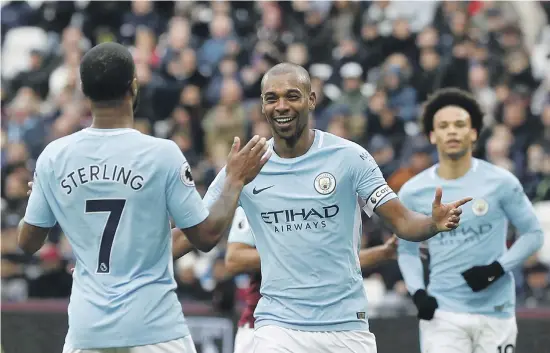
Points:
(215, 189)
(39, 212)
(240, 229)
(368, 181)
(183, 200)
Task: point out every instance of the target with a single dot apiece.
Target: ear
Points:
(262, 104)
(312, 101)
(432, 138)
(473, 135)
(134, 87)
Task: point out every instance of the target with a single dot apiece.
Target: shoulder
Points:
(55, 149)
(495, 174)
(166, 153)
(331, 141)
(350, 152)
(162, 145)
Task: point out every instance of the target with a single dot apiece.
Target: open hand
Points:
(243, 165)
(446, 216)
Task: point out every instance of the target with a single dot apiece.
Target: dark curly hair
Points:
(107, 71)
(451, 96)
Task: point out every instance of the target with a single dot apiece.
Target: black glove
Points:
(426, 304)
(481, 277)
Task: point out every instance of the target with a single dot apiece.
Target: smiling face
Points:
(453, 133)
(286, 104)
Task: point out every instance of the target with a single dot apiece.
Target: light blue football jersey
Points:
(480, 238)
(306, 220)
(113, 192)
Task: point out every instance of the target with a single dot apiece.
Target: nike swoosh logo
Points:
(491, 279)
(256, 192)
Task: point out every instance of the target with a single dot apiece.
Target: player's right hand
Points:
(243, 165)
(390, 247)
(30, 188)
(446, 216)
(426, 304)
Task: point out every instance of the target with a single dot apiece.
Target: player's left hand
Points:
(30, 188)
(481, 277)
(446, 216)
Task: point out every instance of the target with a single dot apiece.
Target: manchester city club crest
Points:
(480, 207)
(325, 183)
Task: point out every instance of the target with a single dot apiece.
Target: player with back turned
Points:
(303, 210)
(469, 304)
(113, 190)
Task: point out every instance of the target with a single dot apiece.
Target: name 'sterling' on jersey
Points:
(94, 173)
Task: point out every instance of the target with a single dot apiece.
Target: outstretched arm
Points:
(413, 226)
(204, 232)
(380, 199)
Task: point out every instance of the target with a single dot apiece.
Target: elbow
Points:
(25, 245)
(22, 241)
(31, 238)
(21, 244)
(205, 246)
(207, 240)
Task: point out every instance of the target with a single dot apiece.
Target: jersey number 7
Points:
(115, 208)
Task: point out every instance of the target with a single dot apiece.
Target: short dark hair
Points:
(451, 96)
(107, 71)
(288, 68)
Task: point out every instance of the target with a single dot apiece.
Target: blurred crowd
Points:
(200, 63)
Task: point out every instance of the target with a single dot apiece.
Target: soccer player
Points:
(469, 304)
(242, 257)
(112, 191)
(303, 209)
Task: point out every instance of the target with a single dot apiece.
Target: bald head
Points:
(299, 73)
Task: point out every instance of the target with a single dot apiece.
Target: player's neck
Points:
(302, 145)
(112, 118)
(454, 168)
